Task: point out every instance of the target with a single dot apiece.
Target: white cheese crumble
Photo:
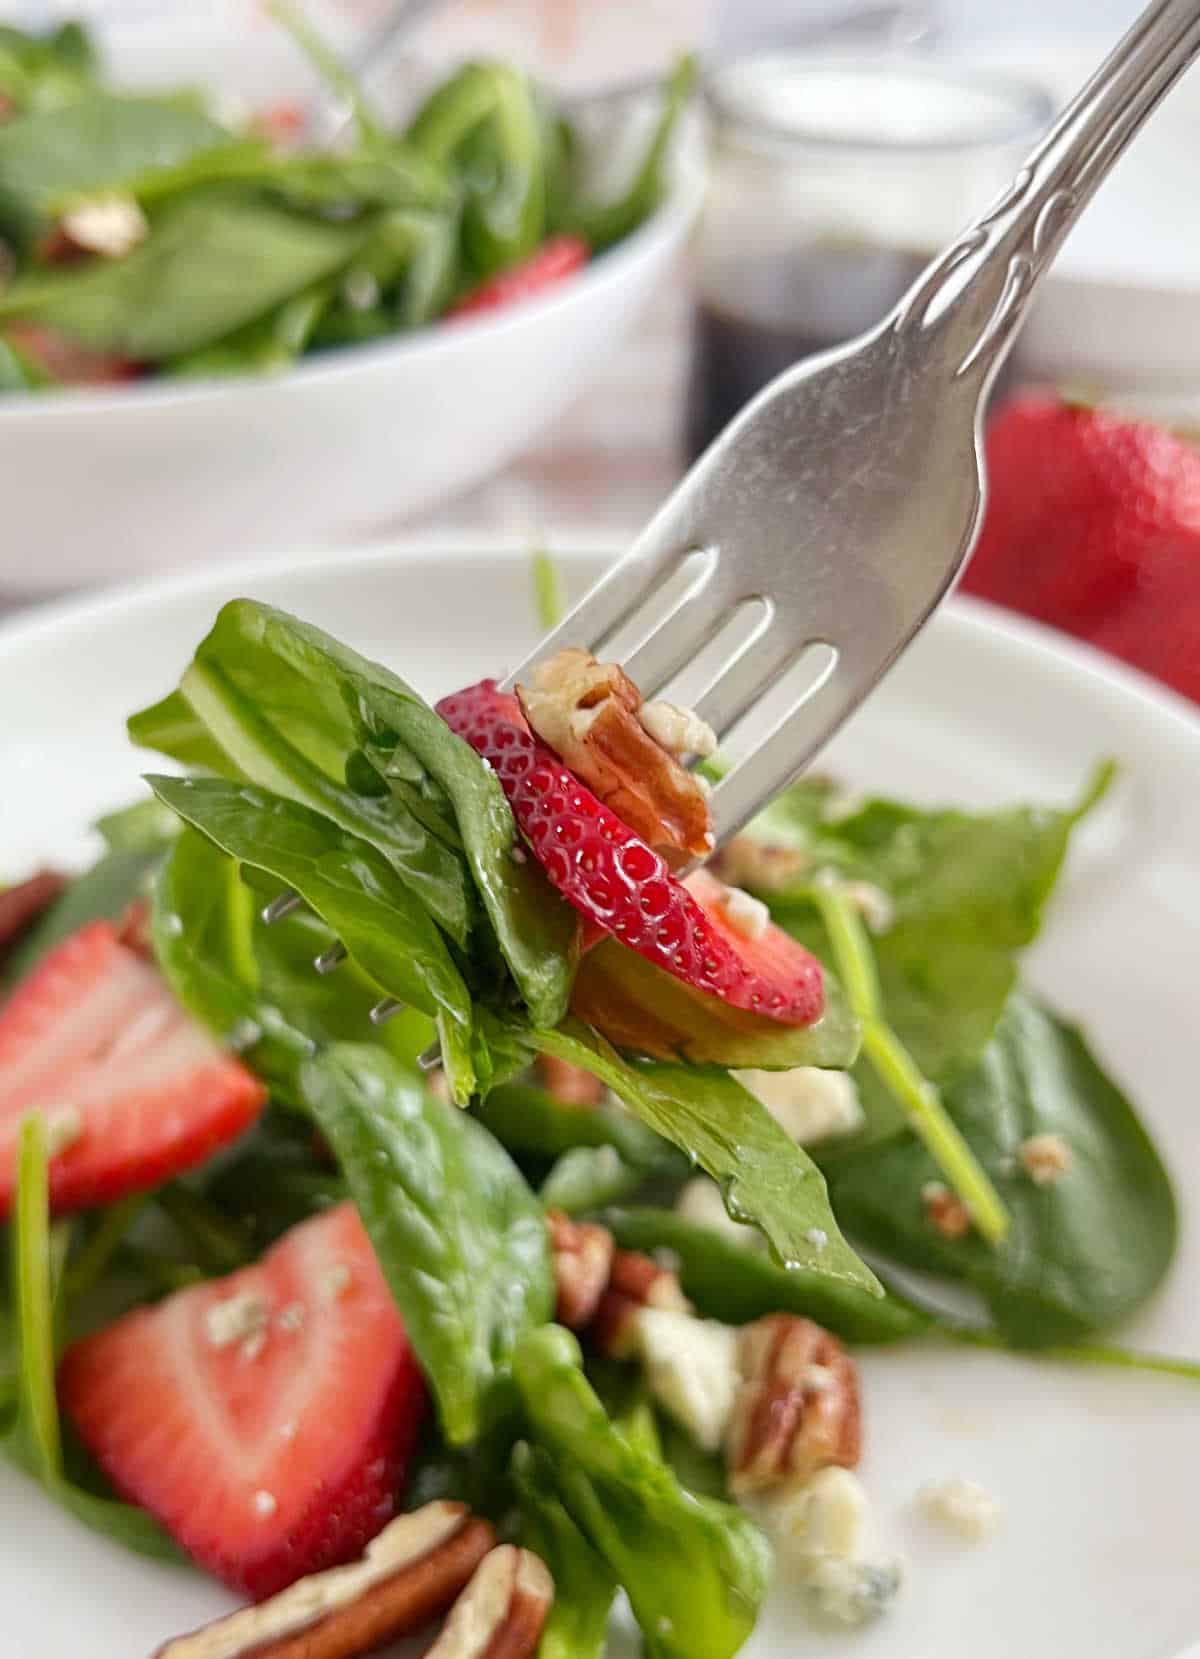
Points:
(853, 1592)
(677, 730)
(961, 1506)
(824, 1516)
(236, 1318)
(747, 915)
(691, 1369)
(701, 1203)
(1044, 1158)
(811, 1104)
(110, 225)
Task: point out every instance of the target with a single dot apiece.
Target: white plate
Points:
(1098, 1556)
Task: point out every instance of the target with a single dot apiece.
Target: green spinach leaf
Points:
(729, 1282)
(211, 264)
(460, 1238)
(696, 1571)
(764, 1176)
(96, 144)
(967, 891)
(584, 1586)
(290, 706)
(351, 887)
(1084, 1250)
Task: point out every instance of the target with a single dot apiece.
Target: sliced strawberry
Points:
(619, 883)
(557, 258)
(265, 1419)
(65, 361)
(95, 1038)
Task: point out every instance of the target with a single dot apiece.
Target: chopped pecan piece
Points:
(501, 1612)
(636, 1282)
(570, 1085)
(762, 866)
(20, 906)
(944, 1211)
(797, 1408)
(588, 713)
(583, 1257)
(410, 1574)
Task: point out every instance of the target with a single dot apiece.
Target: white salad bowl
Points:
(110, 484)
(1096, 1472)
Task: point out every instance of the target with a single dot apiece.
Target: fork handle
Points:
(976, 294)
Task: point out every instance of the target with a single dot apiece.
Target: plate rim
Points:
(1004, 629)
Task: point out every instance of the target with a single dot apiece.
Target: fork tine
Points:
(693, 622)
(607, 604)
(759, 663)
(788, 747)
(280, 906)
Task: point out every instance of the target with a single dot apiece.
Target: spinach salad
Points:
(145, 235)
(596, 1273)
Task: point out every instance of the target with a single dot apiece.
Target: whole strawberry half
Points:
(621, 885)
(133, 1088)
(1093, 525)
(266, 1419)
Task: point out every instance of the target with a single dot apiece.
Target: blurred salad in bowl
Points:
(151, 235)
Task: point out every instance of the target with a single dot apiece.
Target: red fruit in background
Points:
(619, 883)
(556, 259)
(266, 1419)
(1093, 525)
(65, 361)
(95, 1039)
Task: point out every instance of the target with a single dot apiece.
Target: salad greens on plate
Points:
(149, 234)
(420, 1137)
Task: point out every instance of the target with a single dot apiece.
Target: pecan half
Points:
(797, 1408)
(636, 1282)
(501, 1612)
(583, 1258)
(944, 1211)
(20, 906)
(410, 1574)
(588, 712)
(570, 1085)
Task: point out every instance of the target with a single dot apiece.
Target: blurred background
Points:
(836, 145)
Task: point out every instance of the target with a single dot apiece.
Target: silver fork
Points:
(846, 497)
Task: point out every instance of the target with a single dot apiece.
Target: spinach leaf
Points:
(261, 347)
(144, 826)
(33, 1440)
(764, 1176)
(354, 890)
(211, 264)
(254, 985)
(1084, 1250)
(531, 1123)
(46, 70)
(734, 1284)
(603, 223)
(96, 144)
(104, 892)
(584, 1586)
(967, 891)
(291, 706)
(486, 123)
(592, 1177)
(460, 1238)
(171, 727)
(696, 1572)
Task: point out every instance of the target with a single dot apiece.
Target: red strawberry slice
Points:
(94, 1038)
(265, 1419)
(556, 259)
(619, 883)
